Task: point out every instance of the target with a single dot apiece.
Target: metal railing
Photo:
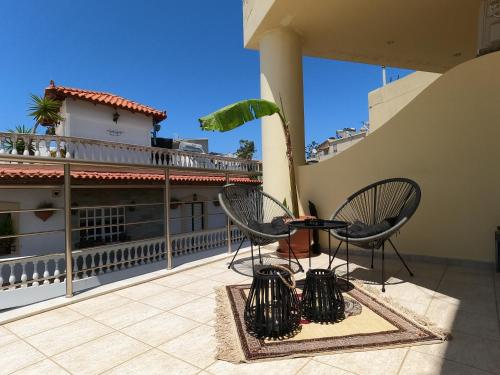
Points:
(38, 150)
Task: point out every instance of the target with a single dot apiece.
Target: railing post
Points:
(229, 250)
(67, 230)
(166, 218)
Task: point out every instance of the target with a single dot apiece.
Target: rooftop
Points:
(112, 100)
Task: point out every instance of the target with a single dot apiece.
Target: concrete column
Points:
(281, 76)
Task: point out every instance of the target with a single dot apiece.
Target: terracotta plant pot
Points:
(300, 243)
(44, 215)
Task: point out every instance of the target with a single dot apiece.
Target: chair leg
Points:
(373, 253)
(236, 253)
(401, 258)
(334, 254)
(383, 267)
(253, 265)
(260, 256)
(290, 251)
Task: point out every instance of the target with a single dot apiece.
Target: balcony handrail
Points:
(156, 156)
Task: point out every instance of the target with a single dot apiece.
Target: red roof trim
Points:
(112, 100)
(37, 174)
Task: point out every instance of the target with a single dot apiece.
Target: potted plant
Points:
(6, 229)
(44, 215)
(45, 110)
(239, 113)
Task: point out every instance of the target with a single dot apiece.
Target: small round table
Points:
(324, 225)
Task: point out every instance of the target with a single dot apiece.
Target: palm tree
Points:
(19, 144)
(45, 111)
(235, 115)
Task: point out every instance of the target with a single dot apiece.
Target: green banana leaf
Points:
(237, 114)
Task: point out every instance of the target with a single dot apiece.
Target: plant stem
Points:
(291, 167)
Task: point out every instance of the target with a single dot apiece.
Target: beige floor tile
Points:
(450, 316)
(138, 292)
(415, 307)
(384, 362)
(196, 346)
(43, 322)
(100, 355)
(154, 362)
(99, 304)
(44, 367)
(230, 277)
(126, 315)
(317, 368)
(169, 299)
(206, 271)
(467, 276)
(277, 367)
(201, 310)
(6, 337)
(202, 287)
(68, 336)
(469, 350)
(417, 363)
(159, 328)
(18, 355)
(176, 280)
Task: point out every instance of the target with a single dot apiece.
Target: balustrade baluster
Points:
(35, 274)
(12, 277)
(57, 272)
(46, 272)
(24, 276)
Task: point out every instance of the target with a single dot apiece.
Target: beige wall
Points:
(386, 101)
(446, 139)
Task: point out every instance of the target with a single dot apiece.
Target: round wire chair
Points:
(386, 204)
(249, 207)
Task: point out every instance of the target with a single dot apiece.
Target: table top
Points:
(318, 224)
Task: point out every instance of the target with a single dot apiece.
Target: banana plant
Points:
(239, 113)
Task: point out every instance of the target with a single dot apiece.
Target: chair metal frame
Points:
(241, 219)
(374, 204)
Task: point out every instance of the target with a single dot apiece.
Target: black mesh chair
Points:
(260, 217)
(375, 214)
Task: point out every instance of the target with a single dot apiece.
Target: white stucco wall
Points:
(27, 222)
(54, 242)
(95, 121)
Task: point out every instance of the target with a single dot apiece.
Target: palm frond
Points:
(45, 110)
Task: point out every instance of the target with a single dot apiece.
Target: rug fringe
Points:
(418, 319)
(228, 346)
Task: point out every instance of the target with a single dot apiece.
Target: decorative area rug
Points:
(372, 322)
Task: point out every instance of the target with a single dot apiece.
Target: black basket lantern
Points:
(272, 307)
(322, 299)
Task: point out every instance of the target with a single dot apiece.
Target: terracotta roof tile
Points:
(34, 174)
(61, 92)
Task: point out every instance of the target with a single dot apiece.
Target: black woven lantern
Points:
(272, 308)
(322, 299)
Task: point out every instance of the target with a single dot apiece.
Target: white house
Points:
(117, 210)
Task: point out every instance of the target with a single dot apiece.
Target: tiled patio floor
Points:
(166, 327)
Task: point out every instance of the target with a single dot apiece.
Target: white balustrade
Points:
(25, 272)
(52, 146)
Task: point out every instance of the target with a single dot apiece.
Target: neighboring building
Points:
(104, 116)
(334, 145)
(118, 194)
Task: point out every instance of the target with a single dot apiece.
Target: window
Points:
(102, 224)
(197, 216)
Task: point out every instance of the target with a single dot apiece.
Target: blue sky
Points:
(185, 57)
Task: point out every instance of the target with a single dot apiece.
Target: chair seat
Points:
(361, 230)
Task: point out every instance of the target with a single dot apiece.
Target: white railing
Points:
(52, 146)
(32, 271)
(48, 269)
